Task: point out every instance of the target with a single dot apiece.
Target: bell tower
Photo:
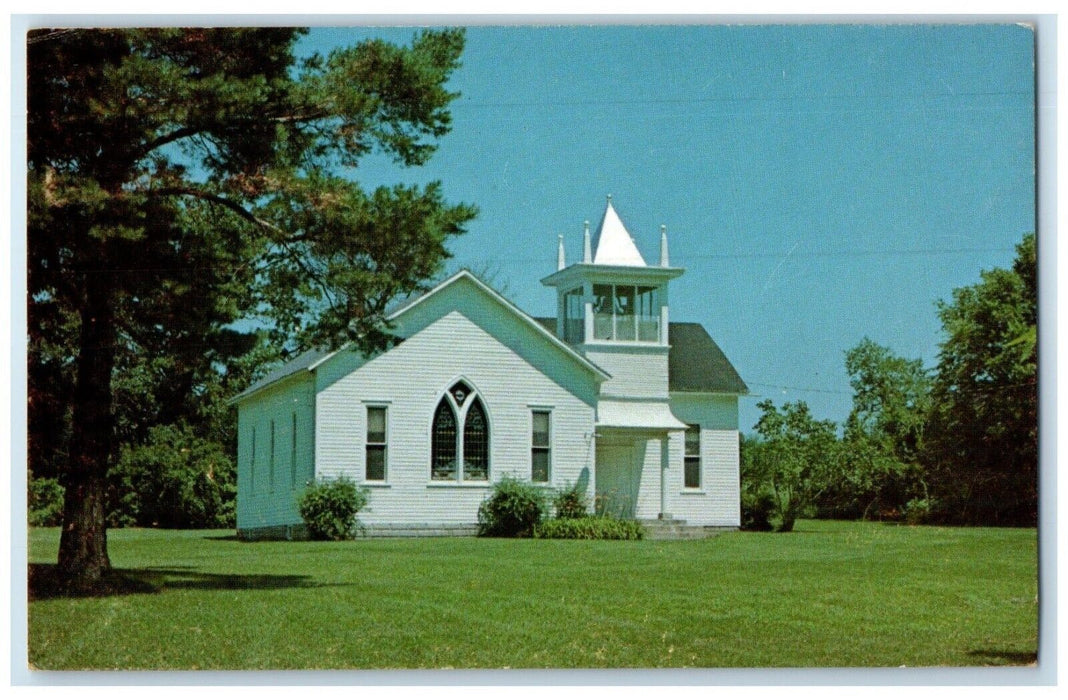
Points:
(613, 307)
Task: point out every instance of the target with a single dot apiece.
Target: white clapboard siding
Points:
(716, 502)
(410, 379)
(264, 500)
(637, 371)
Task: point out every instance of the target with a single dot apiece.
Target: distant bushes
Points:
(45, 503)
(590, 527)
(329, 508)
(175, 479)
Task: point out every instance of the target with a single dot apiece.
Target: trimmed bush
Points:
(512, 510)
(571, 502)
(329, 508)
(45, 503)
(590, 527)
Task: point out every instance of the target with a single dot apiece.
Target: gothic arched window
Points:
(476, 443)
(460, 455)
(443, 443)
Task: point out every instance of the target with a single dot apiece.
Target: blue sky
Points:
(820, 184)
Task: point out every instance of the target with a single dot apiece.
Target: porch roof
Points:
(641, 415)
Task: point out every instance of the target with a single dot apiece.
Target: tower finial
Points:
(663, 246)
(609, 199)
(560, 264)
(587, 254)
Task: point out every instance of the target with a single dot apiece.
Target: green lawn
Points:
(830, 594)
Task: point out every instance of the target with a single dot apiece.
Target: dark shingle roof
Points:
(302, 361)
(695, 362)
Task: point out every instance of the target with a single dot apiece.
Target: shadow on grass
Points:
(222, 538)
(1003, 657)
(45, 582)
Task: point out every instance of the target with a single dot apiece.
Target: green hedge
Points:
(589, 528)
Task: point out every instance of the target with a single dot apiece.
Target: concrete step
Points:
(674, 530)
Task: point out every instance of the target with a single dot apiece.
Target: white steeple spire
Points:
(663, 246)
(560, 264)
(587, 256)
(612, 242)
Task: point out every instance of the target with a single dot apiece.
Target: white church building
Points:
(639, 411)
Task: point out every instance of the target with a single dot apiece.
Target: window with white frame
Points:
(626, 312)
(460, 454)
(375, 446)
(692, 458)
(574, 316)
(540, 450)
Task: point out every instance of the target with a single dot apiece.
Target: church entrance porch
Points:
(629, 473)
(618, 480)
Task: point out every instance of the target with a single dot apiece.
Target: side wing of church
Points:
(639, 411)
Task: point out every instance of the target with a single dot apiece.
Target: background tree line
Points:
(957, 443)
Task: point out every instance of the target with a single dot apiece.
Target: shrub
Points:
(45, 504)
(329, 508)
(919, 510)
(512, 510)
(175, 479)
(590, 527)
(571, 502)
(757, 508)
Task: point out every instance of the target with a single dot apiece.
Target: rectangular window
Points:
(602, 311)
(293, 454)
(626, 312)
(252, 465)
(539, 447)
(623, 306)
(648, 314)
(692, 476)
(270, 473)
(376, 443)
(574, 315)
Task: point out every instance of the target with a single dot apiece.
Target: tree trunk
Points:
(83, 552)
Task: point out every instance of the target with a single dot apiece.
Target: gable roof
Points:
(695, 363)
(521, 315)
(310, 359)
(307, 360)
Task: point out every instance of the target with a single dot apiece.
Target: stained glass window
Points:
(443, 443)
(476, 443)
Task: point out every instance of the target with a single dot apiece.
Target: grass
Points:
(831, 594)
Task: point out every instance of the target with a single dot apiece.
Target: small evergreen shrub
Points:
(329, 508)
(571, 502)
(45, 505)
(590, 527)
(512, 510)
